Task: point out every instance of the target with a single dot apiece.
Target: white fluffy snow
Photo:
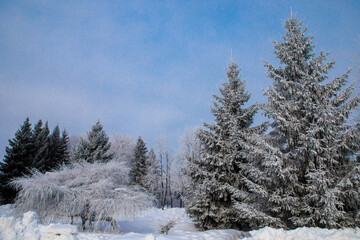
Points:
(29, 228)
(147, 227)
(304, 233)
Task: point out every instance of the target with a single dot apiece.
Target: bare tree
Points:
(165, 167)
(189, 147)
(122, 145)
(74, 141)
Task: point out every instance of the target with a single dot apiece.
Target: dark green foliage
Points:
(96, 147)
(58, 149)
(138, 167)
(63, 148)
(50, 149)
(30, 149)
(17, 161)
(43, 149)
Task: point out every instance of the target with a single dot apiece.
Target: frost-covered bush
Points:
(92, 191)
(169, 225)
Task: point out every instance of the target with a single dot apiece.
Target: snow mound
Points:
(150, 237)
(303, 233)
(6, 210)
(29, 228)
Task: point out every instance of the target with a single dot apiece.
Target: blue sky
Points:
(148, 68)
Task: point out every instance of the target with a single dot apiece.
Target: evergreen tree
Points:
(42, 151)
(55, 144)
(220, 173)
(58, 149)
(313, 140)
(95, 147)
(50, 150)
(31, 149)
(17, 161)
(36, 134)
(63, 149)
(138, 163)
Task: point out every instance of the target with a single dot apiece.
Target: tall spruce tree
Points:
(63, 148)
(96, 147)
(37, 134)
(220, 173)
(311, 156)
(17, 161)
(57, 149)
(54, 146)
(50, 150)
(42, 146)
(138, 163)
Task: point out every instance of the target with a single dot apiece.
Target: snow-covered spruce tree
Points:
(138, 167)
(152, 178)
(219, 174)
(95, 147)
(17, 161)
(92, 191)
(311, 134)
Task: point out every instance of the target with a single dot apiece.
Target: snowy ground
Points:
(147, 227)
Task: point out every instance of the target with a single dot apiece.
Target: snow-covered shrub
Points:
(169, 225)
(92, 191)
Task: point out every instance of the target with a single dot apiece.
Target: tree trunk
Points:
(83, 219)
(165, 193)
(162, 197)
(170, 193)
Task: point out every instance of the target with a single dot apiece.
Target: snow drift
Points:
(145, 227)
(29, 228)
(305, 233)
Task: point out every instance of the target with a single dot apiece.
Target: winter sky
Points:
(148, 68)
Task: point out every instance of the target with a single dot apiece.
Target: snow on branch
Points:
(97, 190)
